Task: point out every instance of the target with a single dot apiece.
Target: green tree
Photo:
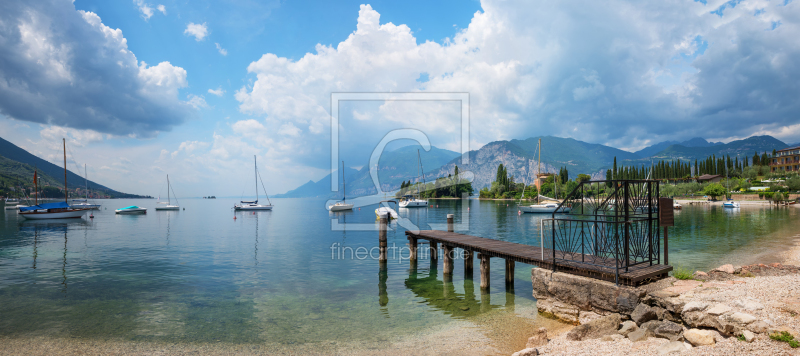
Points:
(714, 190)
(584, 178)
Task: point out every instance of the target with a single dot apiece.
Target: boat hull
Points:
(168, 208)
(543, 209)
(414, 204)
(86, 206)
(391, 213)
(253, 208)
(341, 207)
(68, 214)
(131, 212)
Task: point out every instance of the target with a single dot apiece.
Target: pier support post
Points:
(434, 248)
(384, 222)
(450, 226)
(468, 258)
(447, 264)
(510, 264)
(484, 270)
(412, 245)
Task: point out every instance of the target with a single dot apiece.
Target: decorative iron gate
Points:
(613, 224)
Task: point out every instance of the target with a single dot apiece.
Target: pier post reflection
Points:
(383, 276)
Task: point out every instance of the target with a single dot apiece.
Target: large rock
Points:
(596, 328)
(700, 276)
(587, 316)
(627, 328)
(742, 318)
(643, 314)
(526, 352)
(538, 339)
(672, 347)
(694, 306)
(791, 306)
(638, 335)
(612, 337)
(748, 336)
(558, 310)
(698, 319)
(719, 309)
(725, 268)
(699, 337)
(669, 330)
(749, 305)
(758, 327)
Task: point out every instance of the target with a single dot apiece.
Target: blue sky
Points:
(195, 89)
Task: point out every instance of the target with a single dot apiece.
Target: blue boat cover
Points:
(59, 205)
(130, 207)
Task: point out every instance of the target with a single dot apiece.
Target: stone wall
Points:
(577, 300)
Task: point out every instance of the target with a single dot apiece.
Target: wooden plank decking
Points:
(584, 265)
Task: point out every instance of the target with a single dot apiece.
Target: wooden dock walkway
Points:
(577, 264)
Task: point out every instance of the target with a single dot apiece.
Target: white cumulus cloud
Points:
(217, 92)
(199, 31)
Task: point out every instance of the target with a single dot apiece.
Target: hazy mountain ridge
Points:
(53, 172)
(694, 142)
(520, 157)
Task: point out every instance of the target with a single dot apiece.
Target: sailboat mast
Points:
(86, 181)
(64, 141)
(539, 171)
(255, 164)
(168, 201)
(344, 185)
(36, 186)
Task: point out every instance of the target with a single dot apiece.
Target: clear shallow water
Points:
(199, 275)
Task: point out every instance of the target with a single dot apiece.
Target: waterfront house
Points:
(785, 160)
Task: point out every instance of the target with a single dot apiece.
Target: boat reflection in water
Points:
(44, 230)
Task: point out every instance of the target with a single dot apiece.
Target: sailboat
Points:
(84, 203)
(168, 204)
(408, 201)
(60, 210)
(550, 205)
(254, 205)
(342, 205)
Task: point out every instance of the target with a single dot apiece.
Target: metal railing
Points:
(613, 224)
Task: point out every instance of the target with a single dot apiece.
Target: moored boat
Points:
(386, 211)
(409, 201)
(60, 210)
(254, 205)
(167, 205)
(342, 205)
(131, 210)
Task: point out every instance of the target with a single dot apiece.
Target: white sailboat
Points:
(408, 201)
(84, 203)
(342, 205)
(550, 205)
(254, 205)
(13, 204)
(167, 205)
(60, 210)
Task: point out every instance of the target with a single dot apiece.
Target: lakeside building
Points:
(540, 178)
(786, 160)
(713, 178)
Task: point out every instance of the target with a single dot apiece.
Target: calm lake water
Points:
(287, 277)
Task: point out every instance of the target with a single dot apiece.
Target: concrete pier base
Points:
(571, 298)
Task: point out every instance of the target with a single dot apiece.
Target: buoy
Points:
(234, 217)
(91, 216)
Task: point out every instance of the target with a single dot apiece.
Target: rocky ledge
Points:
(729, 310)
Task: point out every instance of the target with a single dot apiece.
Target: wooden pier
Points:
(577, 264)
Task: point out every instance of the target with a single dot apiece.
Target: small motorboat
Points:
(131, 210)
(386, 211)
(12, 204)
(409, 201)
(730, 204)
(83, 204)
(676, 205)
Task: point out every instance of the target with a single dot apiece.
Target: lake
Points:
(298, 275)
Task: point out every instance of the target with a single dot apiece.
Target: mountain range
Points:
(520, 157)
(18, 165)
